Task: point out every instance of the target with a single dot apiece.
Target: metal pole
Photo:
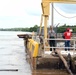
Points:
(45, 26)
(57, 29)
(41, 24)
(52, 16)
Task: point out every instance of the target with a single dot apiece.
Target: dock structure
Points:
(38, 49)
(40, 56)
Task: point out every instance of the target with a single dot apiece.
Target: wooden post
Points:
(65, 62)
(33, 61)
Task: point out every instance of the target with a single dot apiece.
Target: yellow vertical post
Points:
(45, 10)
(45, 26)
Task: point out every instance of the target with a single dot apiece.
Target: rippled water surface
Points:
(12, 54)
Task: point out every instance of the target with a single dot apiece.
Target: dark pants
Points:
(52, 43)
(67, 44)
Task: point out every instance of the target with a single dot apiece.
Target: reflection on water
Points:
(13, 56)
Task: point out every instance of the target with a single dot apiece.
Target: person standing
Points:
(52, 35)
(67, 35)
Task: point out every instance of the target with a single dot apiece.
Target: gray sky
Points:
(27, 13)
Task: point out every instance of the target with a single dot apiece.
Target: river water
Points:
(13, 57)
(12, 54)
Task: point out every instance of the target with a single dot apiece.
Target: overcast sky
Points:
(27, 13)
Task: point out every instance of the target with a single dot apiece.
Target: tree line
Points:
(59, 29)
(62, 28)
(21, 29)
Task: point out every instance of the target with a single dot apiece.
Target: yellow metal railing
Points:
(33, 47)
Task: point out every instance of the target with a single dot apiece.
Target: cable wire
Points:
(61, 14)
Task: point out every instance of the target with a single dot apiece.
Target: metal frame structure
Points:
(46, 10)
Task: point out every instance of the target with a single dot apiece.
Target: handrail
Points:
(58, 39)
(35, 49)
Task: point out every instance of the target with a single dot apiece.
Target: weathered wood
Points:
(65, 62)
(34, 63)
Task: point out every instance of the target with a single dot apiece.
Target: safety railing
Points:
(60, 47)
(33, 47)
